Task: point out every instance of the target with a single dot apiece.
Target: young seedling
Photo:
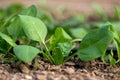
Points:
(28, 26)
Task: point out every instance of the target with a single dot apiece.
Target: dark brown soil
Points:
(71, 70)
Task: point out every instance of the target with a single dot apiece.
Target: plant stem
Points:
(76, 40)
(9, 49)
(8, 19)
(69, 57)
(48, 53)
(47, 41)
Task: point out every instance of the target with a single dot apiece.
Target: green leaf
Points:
(25, 53)
(15, 29)
(76, 20)
(8, 39)
(33, 27)
(2, 13)
(116, 40)
(60, 36)
(78, 32)
(4, 46)
(30, 11)
(65, 47)
(94, 44)
(117, 13)
(57, 56)
(13, 8)
(100, 12)
(98, 9)
(115, 25)
(46, 17)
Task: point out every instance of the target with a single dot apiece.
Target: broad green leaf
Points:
(115, 24)
(33, 27)
(78, 32)
(15, 29)
(74, 21)
(30, 11)
(94, 44)
(65, 47)
(60, 36)
(8, 39)
(57, 56)
(25, 53)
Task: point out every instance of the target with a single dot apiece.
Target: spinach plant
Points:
(27, 27)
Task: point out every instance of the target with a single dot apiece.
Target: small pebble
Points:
(28, 77)
(41, 77)
(69, 70)
(24, 69)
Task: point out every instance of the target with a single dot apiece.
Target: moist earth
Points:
(74, 69)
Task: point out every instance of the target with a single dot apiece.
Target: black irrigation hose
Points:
(111, 48)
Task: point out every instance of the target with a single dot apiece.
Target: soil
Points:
(71, 70)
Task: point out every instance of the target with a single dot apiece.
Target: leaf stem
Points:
(47, 41)
(76, 40)
(48, 52)
(69, 57)
(8, 19)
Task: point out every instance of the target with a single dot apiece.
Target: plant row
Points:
(23, 38)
